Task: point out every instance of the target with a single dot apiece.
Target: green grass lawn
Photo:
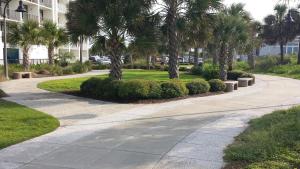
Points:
(19, 123)
(271, 142)
(71, 85)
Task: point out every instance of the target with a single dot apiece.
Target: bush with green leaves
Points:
(56, 70)
(211, 72)
(173, 89)
(183, 69)
(68, 70)
(198, 87)
(100, 66)
(197, 70)
(80, 68)
(217, 85)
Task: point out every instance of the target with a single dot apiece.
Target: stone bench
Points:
(245, 82)
(22, 75)
(231, 86)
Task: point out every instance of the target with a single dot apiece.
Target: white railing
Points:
(11, 14)
(62, 8)
(29, 16)
(47, 3)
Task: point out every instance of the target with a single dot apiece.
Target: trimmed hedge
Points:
(173, 89)
(217, 85)
(133, 89)
(198, 87)
(236, 74)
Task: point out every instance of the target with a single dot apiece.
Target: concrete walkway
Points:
(184, 134)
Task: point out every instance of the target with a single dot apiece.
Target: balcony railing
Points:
(62, 8)
(34, 1)
(46, 3)
(11, 14)
(29, 16)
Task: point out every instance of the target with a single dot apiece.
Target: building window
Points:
(42, 15)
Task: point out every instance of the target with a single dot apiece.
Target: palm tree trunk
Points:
(173, 41)
(50, 55)
(222, 61)
(215, 57)
(81, 49)
(116, 64)
(26, 59)
(196, 57)
(230, 60)
(298, 62)
(251, 60)
(281, 53)
(148, 62)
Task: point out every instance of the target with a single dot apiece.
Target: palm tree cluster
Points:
(165, 26)
(282, 27)
(30, 33)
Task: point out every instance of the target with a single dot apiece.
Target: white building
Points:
(39, 10)
(272, 50)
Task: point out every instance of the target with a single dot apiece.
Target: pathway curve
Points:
(183, 134)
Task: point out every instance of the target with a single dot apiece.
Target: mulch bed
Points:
(146, 101)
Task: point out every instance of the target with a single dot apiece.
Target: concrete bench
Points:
(231, 86)
(245, 82)
(22, 75)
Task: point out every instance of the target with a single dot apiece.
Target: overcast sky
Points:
(258, 8)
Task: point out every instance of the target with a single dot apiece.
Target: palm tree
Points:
(111, 20)
(52, 37)
(277, 29)
(81, 25)
(225, 30)
(200, 22)
(240, 35)
(25, 35)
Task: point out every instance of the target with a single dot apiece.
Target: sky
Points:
(259, 9)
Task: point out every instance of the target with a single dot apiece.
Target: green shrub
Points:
(89, 65)
(198, 87)
(134, 89)
(100, 67)
(2, 93)
(80, 68)
(217, 85)
(89, 86)
(242, 65)
(68, 70)
(211, 72)
(155, 90)
(173, 89)
(197, 70)
(235, 74)
(183, 69)
(56, 70)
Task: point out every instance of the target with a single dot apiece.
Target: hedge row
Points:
(147, 89)
(236, 74)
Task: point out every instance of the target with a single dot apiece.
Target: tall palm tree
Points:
(200, 21)
(277, 29)
(24, 35)
(225, 29)
(111, 20)
(52, 37)
(240, 36)
(82, 22)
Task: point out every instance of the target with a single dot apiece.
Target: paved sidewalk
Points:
(183, 134)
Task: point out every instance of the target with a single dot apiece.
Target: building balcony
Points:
(29, 16)
(62, 8)
(11, 14)
(32, 1)
(47, 3)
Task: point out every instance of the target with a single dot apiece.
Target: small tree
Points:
(25, 35)
(52, 37)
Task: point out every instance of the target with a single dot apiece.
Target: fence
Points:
(31, 61)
